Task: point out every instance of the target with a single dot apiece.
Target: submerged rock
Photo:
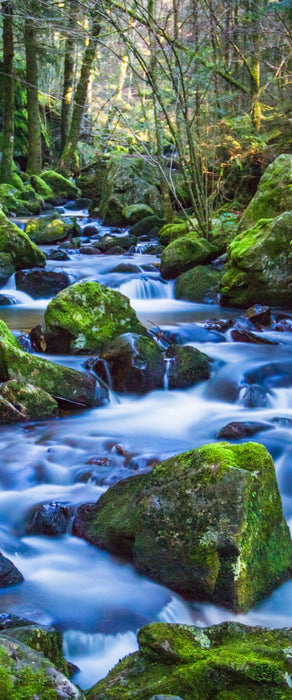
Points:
(60, 382)
(229, 661)
(9, 574)
(200, 284)
(41, 284)
(259, 268)
(207, 523)
(185, 253)
(187, 366)
(85, 316)
(240, 429)
(50, 519)
(134, 362)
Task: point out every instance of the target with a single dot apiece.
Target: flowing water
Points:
(98, 600)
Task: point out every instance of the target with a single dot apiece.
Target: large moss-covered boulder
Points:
(274, 193)
(200, 284)
(128, 180)
(48, 230)
(229, 661)
(170, 232)
(135, 212)
(58, 381)
(28, 401)
(41, 187)
(85, 316)
(207, 523)
(61, 186)
(184, 253)
(260, 269)
(28, 674)
(16, 249)
(135, 364)
(21, 200)
(43, 639)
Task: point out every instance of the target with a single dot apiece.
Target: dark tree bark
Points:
(68, 84)
(8, 92)
(79, 102)
(34, 163)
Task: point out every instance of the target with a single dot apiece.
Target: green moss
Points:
(48, 230)
(184, 253)
(41, 187)
(16, 181)
(224, 662)
(170, 232)
(136, 212)
(60, 185)
(7, 337)
(22, 682)
(200, 284)
(274, 193)
(85, 316)
(207, 523)
(32, 401)
(17, 244)
(45, 640)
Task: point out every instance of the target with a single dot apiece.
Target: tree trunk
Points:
(34, 162)
(79, 103)
(8, 92)
(68, 84)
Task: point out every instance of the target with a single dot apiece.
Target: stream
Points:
(97, 600)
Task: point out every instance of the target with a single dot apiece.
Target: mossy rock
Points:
(184, 253)
(85, 316)
(229, 661)
(43, 639)
(127, 181)
(47, 230)
(17, 182)
(135, 212)
(200, 284)
(26, 674)
(32, 402)
(15, 243)
(149, 225)
(206, 523)
(170, 232)
(61, 186)
(274, 193)
(58, 381)
(135, 363)
(6, 268)
(259, 269)
(41, 187)
(187, 366)
(107, 243)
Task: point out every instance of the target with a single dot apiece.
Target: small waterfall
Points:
(96, 653)
(168, 362)
(141, 288)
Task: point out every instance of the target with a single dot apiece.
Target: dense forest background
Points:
(201, 87)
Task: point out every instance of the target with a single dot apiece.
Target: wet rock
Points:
(207, 523)
(255, 396)
(259, 267)
(7, 300)
(37, 338)
(126, 268)
(187, 366)
(89, 250)
(240, 335)
(221, 325)
(7, 620)
(50, 519)
(58, 255)
(259, 315)
(271, 375)
(49, 230)
(9, 574)
(134, 362)
(85, 316)
(90, 230)
(79, 204)
(30, 401)
(200, 284)
(283, 326)
(58, 381)
(185, 253)
(116, 250)
(28, 673)
(107, 243)
(229, 661)
(41, 284)
(6, 268)
(152, 250)
(237, 430)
